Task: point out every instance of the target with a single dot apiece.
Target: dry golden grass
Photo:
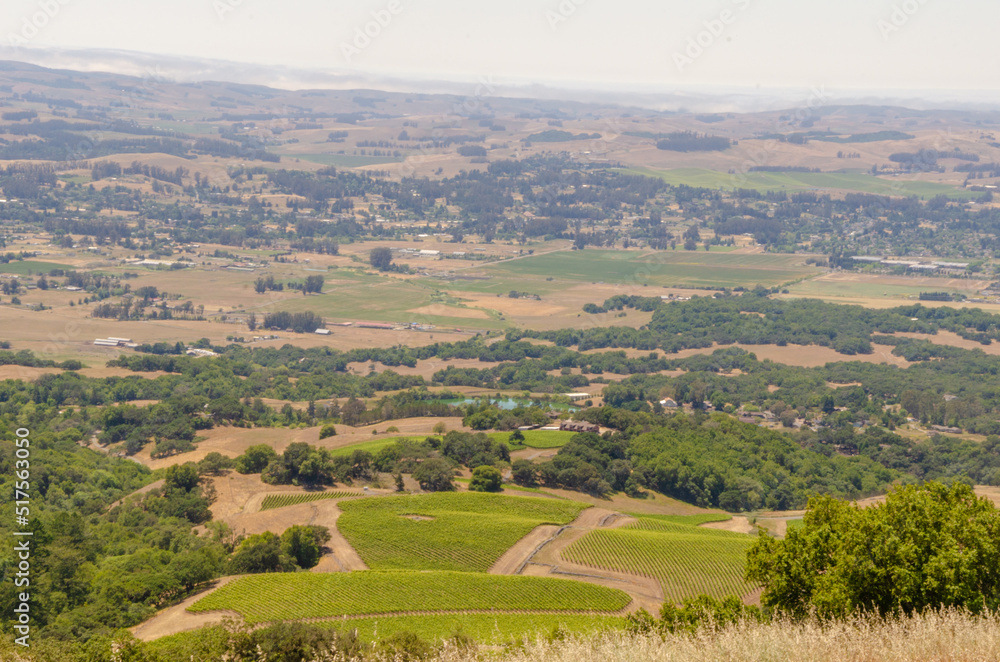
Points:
(951, 636)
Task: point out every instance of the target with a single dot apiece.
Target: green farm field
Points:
(27, 267)
(464, 531)
(487, 629)
(873, 288)
(684, 559)
(803, 181)
(290, 596)
(388, 300)
(661, 268)
(541, 439)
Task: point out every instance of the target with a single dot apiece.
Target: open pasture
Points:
(686, 560)
(464, 531)
(289, 596)
(29, 267)
(393, 301)
(660, 268)
(857, 287)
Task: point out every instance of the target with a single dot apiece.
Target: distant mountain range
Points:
(690, 99)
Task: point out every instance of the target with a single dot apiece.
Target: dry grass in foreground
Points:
(952, 636)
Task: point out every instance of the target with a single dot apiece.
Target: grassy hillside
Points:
(445, 531)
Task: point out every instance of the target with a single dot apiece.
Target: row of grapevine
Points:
(445, 531)
(685, 560)
(270, 597)
(281, 500)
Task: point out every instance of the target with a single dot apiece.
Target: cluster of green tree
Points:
(689, 141)
(879, 399)
(241, 150)
(305, 322)
(589, 463)
(26, 182)
(298, 548)
(221, 377)
(323, 246)
(756, 319)
(172, 424)
(326, 185)
(483, 415)
(19, 115)
(59, 145)
(311, 285)
(302, 464)
(140, 309)
(926, 160)
(28, 359)
(711, 461)
(469, 449)
(472, 151)
(928, 547)
(939, 458)
(175, 176)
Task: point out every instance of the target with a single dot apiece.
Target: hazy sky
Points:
(847, 44)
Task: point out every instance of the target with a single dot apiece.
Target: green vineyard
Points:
(281, 500)
(445, 531)
(289, 596)
(685, 559)
(487, 629)
(484, 628)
